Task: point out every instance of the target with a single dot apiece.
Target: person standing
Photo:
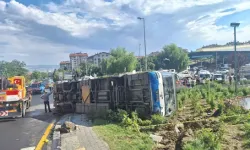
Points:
(45, 98)
(230, 79)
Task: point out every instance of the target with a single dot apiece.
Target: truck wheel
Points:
(28, 105)
(24, 109)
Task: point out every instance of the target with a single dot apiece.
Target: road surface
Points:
(25, 132)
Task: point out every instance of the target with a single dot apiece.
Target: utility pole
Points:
(1, 71)
(234, 25)
(145, 47)
(140, 59)
(216, 61)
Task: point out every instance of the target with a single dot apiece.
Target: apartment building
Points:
(77, 58)
(97, 58)
(65, 64)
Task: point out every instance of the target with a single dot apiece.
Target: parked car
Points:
(37, 88)
(218, 77)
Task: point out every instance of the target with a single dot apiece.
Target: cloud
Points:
(205, 26)
(68, 22)
(46, 34)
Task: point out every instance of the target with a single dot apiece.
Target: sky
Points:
(44, 32)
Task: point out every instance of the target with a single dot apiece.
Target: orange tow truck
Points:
(14, 97)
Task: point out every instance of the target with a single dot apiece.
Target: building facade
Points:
(65, 64)
(77, 58)
(98, 58)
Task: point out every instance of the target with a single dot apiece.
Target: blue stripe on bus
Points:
(154, 83)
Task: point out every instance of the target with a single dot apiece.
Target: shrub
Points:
(205, 139)
(157, 119)
(246, 129)
(231, 89)
(145, 122)
(111, 116)
(240, 93)
(245, 91)
(131, 122)
(204, 93)
(121, 114)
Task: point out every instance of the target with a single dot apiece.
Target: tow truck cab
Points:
(14, 98)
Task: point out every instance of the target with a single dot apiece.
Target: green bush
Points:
(231, 89)
(235, 110)
(145, 122)
(121, 114)
(205, 140)
(236, 119)
(157, 119)
(245, 91)
(240, 93)
(131, 122)
(118, 116)
(246, 129)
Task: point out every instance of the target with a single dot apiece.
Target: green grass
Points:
(120, 138)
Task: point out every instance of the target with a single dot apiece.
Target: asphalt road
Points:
(25, 132)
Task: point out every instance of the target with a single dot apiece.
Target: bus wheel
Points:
(24, 109)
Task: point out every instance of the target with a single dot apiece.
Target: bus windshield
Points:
(204, 75)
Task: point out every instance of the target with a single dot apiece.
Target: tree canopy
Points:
(120, 60)
(89, 69)
(13, 68)
(151, 63)
(172, 57)
(39, 75)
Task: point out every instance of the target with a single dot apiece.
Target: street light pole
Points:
(1, 71)
(140, 56)
(234, 25)
(145, 47)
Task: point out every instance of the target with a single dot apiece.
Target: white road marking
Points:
(28, 148)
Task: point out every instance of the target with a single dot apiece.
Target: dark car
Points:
(37, 88)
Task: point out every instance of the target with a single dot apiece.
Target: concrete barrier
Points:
(90, 108)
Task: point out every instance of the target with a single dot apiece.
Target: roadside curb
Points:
(56, 141)
(43, 139)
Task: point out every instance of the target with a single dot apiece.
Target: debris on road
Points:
(76, 133)
(67, 127)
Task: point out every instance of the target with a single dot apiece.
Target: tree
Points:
(141, 63)
(13, 68)
(119, 61)
(242, 60)
(172, 57)
(36, 75)
(90, 69)
(55, 75)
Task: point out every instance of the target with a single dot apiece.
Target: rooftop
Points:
(78, 54)
(245, 47)
(64, 62)
(154, 53)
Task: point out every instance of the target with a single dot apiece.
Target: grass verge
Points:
(121, 138)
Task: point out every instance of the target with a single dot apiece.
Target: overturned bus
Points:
(150, 92)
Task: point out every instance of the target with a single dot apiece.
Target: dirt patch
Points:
(176, 134)
(233, 138)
